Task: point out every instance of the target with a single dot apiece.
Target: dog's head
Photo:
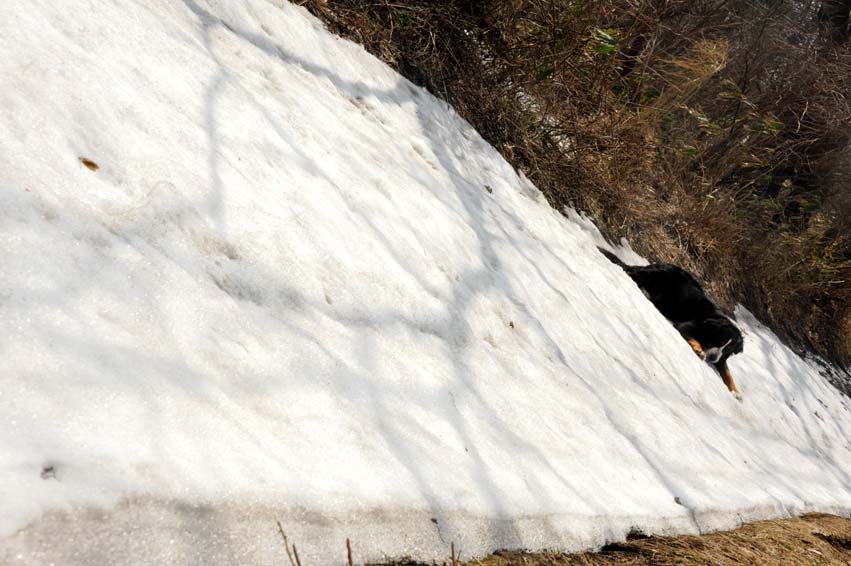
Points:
(726, 339)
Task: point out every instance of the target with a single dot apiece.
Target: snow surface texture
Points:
(300, 288)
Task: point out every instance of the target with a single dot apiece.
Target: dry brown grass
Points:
(807, 541)
(810, 540)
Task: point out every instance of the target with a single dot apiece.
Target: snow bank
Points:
(298, 287)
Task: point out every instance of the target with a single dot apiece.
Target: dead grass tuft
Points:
(810, 540)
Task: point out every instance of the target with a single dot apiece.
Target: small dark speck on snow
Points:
(90, 165)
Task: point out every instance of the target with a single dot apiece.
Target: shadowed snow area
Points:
(251, 273)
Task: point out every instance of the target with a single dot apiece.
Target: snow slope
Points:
(300, 288)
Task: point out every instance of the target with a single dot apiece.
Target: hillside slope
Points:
(252, 274)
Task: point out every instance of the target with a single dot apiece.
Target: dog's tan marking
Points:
(698, 349)
(728, 380)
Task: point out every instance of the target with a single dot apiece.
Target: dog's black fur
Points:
(681, 299)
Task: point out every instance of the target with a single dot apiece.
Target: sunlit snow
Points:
(299, 287)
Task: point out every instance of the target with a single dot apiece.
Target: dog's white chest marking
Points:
(714, 354)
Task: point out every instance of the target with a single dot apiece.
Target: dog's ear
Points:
(738, 345)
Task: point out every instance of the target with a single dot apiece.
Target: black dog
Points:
(681, 299)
